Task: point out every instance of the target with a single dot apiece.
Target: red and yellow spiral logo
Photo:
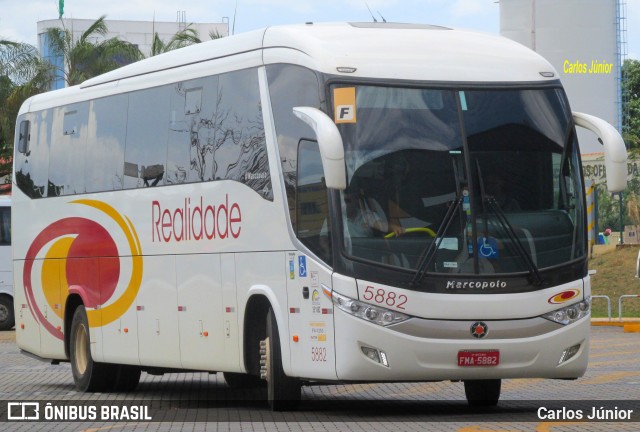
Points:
(82, 257)
(564, 296)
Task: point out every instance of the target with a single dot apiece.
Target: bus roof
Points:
(366, 50)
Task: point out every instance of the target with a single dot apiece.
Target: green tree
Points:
(22, 75)
(631, 109)
(609, 211)
(183, 38)
(86, 56)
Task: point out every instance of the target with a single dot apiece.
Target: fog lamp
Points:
(376, 355)
(569, 353)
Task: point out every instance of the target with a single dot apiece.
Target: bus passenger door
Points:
(310, 310)
(310, 318)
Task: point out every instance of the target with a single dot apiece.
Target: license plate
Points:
(478, 358)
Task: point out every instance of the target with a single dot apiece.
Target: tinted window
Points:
(5, 225)
(312, 201)
(291, 86)
(147, 136)
(105, 149)
(200, 130)
(191, 131)
(240, 153)
(32, 167)
(68, 147)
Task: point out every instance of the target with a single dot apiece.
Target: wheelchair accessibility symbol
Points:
(488, 247)
(302, 266)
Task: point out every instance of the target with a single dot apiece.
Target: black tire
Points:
(482, 393)
(88, 375)
(126, 378)
(283, 392)
(7, 317)
(242, 381)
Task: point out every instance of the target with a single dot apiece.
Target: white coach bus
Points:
(354, 202)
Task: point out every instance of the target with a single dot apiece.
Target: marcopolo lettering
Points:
(195, 220)
(481, 285)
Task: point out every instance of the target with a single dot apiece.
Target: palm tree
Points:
(181, 39)
(185, 37)
(85, 57)
(22, 75)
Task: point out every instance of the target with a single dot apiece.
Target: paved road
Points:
(200, 401)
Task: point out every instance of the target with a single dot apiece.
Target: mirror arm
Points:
(330, 144)
(615, 152)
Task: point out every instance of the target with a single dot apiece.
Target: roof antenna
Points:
(372, 15)
(383, 20)
(235, 12)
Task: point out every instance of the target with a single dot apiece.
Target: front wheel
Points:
(88, 375)
(283, 392)
(482, 393)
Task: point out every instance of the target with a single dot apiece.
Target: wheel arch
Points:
(7, 296)
(72, 303)
(254, 330)
(260, 299)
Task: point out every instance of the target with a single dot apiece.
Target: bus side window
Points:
(242, 155)
(291, 86)
(147, 137)
(68, 149)
(312, 213)
(24, 137)
(105, 165)
(5, 225)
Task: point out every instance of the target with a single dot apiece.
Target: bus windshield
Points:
(472, 181)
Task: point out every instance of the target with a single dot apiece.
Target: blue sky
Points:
(19, 17)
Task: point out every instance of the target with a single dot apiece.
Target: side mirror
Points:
(615, 152)
(330, 144)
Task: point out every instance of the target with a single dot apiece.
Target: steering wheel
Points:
(425, 230)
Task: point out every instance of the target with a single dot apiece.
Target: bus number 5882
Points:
(385, 298)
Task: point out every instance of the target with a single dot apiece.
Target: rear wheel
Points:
(7, 318)
(88, 375)
(482, 393)
(283, 392)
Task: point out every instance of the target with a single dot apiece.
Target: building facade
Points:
(584, 41)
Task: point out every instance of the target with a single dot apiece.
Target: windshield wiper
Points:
(430, 253)
(508, 228)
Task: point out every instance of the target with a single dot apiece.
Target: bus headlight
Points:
(374, 314)
(570, 314)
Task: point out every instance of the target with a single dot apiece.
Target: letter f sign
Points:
(344, 103)
(344, 114)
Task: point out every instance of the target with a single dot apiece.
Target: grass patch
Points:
(615, 277)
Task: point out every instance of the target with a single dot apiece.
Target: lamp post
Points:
(621, 221)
